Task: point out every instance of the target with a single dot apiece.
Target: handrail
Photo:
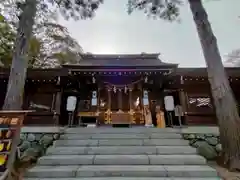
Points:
(6, 172)
(4, 175)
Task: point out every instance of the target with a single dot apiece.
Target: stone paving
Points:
(125, 178)
(121, 154)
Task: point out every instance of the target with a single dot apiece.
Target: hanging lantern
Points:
(114, 89)
(93, 80)
(125, 90)
(146, 79)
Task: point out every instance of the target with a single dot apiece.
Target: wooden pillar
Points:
(28, 91)
(57, 104)
(109, 99)
(108, 115)
(182, 96)
(53, 101)
(141, 97)
(120, 99)
(183, 100)
(131, 108)
(130, 99)
(26, 99)
(98, 99)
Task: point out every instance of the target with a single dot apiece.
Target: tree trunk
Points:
(224, 101)
(16, 82)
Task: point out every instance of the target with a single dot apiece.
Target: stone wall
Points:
(34, 142)
(208, 145)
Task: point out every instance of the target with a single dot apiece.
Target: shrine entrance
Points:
(116, 100)
(121, 103)
(116, 92)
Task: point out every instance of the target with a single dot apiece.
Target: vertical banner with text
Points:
(10, 122)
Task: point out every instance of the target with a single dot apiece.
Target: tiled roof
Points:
(194, 72)
(122, 60)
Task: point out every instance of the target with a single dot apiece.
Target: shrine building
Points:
(113, 89)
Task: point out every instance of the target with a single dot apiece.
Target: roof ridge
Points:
(121, 56)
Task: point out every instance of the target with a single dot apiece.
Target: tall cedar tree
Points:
(224, 100)
(77, 9)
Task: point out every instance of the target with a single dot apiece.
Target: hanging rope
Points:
(123, 85)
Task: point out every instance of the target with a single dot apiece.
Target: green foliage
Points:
(60, 46)
(234, 58)
(7, 37)
(77, 9)
(163, 9)
(50, 46)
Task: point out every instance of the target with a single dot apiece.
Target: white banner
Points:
(169, 103)
(71, 103)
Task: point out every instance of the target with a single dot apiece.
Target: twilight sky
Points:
(113, 31)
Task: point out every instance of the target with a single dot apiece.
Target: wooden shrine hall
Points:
(114, 89)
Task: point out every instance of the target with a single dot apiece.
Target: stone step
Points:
(123, 142)
(121, 150)
(125, 178)
(55, 160)
(122, 136)
(121, 171)
(135, 130)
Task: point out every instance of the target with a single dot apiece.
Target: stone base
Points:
(122, 153)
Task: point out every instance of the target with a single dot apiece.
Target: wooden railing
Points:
(41, 119)
(200, 118)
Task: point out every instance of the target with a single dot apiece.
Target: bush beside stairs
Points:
(121, 154)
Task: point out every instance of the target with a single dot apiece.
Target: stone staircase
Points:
(121, 154)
